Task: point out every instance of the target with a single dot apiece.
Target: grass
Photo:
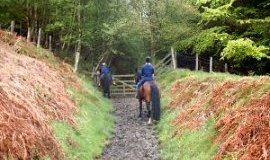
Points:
(166, 80)
(191, 144)
(197, 145)
(95, 125)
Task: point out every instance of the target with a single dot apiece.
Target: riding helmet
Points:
(148, 59)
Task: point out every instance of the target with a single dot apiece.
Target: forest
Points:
(122, 33)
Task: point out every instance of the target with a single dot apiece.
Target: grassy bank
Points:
(95, 124)
(50, 86)
(196, 144)
(199, 114)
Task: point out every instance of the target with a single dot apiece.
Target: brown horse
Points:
(149, 92)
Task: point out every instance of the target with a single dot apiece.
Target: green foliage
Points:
(206, 41)
(117, 31)
(220, 14)
(225, 22)
(87, 139)
(241, 49)
(186, 44)
(211, 3)
(126, 31)
(176, 20)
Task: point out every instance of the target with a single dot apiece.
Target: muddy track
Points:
(134, 139)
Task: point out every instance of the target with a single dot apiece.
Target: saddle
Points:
(141, 93)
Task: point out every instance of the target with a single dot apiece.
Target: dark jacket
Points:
(147, 72)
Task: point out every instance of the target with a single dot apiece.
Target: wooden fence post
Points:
(77, 57)
(21, 28)
(29, 34)
(50, 43)
(197, 62)
(12, 26)
(39, 37)
(173, 58)
(226, 67)
(124, 90)
(211, 65)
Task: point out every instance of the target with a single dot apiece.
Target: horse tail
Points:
(155, 102)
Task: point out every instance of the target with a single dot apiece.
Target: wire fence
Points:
(203, 63)
(195, 62)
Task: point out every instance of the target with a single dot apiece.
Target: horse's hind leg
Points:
(148, 109)
(149, 113)
(140, 107)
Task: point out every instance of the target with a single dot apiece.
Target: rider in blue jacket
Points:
(106, 79)
(147, 73)
(104, 69)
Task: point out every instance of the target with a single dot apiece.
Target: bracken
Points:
(240, 108)
(32, 95)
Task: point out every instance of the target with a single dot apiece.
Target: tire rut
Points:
(134, 139)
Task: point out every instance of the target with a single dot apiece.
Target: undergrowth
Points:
(191, 126)
(190, 144)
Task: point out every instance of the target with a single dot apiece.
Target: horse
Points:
(106, 81)
(150, 93)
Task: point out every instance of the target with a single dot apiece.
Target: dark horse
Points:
(149, 93)
(106, 81)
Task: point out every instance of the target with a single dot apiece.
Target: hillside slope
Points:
(215, 116)
(46, 111)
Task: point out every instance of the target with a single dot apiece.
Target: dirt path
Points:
(134, 139)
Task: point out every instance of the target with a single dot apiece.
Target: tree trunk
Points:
(29, 34)
(78, 50)
(50, 43)
(77, 58)
(35, 23)
(39, 37)
(152, 14)
(12, 26)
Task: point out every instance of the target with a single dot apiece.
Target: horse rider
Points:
(147, 74)
(105, 72)
(104, 69)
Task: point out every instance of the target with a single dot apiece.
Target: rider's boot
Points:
(137, 93)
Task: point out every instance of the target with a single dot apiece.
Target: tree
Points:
(227, 23)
